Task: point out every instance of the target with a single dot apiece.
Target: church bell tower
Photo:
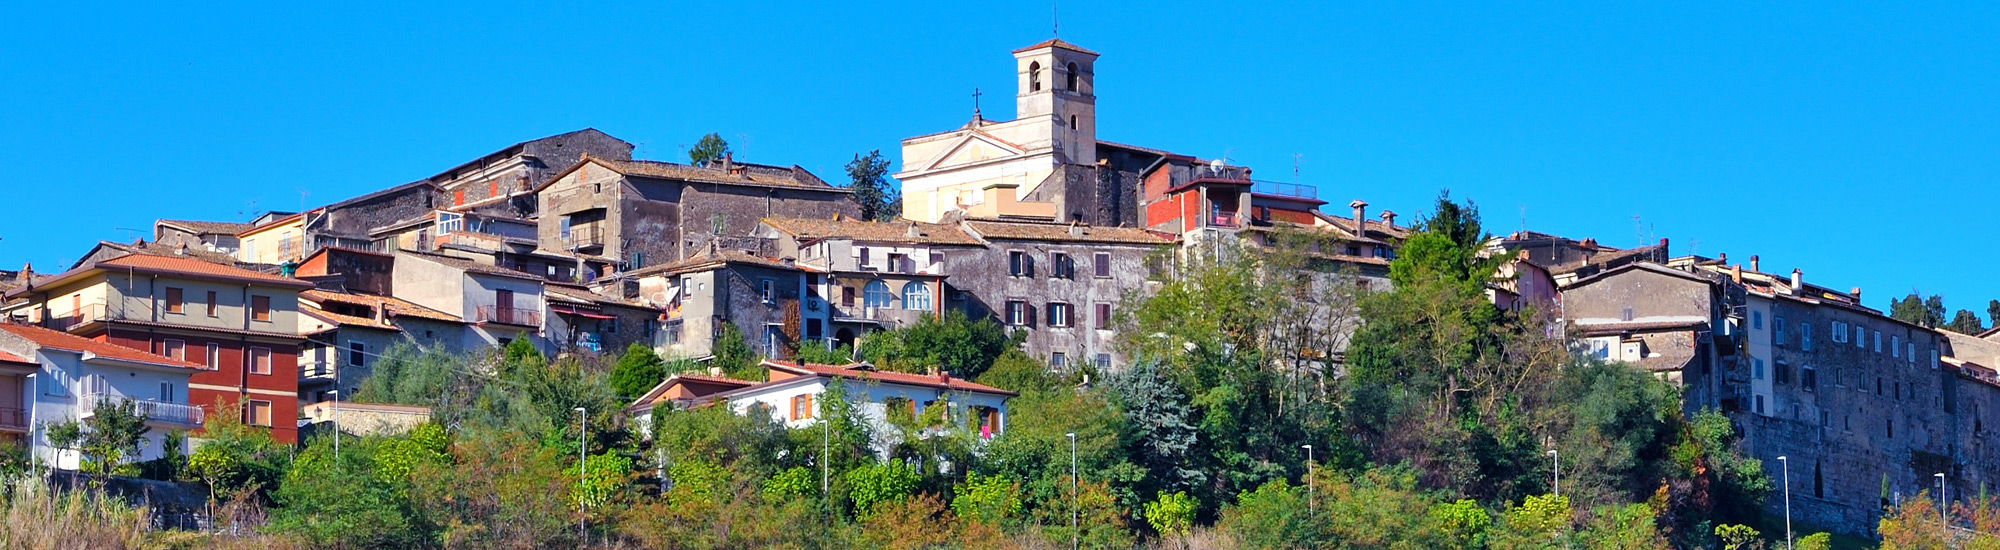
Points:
(1058, 80)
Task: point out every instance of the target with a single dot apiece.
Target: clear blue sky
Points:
(1856, 142)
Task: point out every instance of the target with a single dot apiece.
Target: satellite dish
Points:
(1215, 166)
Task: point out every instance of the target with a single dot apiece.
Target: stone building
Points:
(219, 237)
(1060, 284)
(346, 332)
(498, 305)
(581, 320)
(502, 183)
(721, 287)
(869, 275)
(636, 214)
(1863, 406)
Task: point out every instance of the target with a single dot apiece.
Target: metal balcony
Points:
(156, 412)
(89, 313)
(584, 236)
(509, 316)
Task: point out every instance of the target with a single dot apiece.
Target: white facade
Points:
(70, 384)
(1758, 328)
(795, 403)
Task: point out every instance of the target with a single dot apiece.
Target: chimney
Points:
(1753, 264)
(1722, 257)
(1736, 273)
(1388, 219)
(1360, 217)
(715, 372)
(1663, 250)
(1856, 293)
(913, 231)
(729, 162)
(1798, 281)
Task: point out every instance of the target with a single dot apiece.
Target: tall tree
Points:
(1993, 312)
(1965, 322)
(1916, 309)
(637, 371)
(709, 148)
(1934, 311)
(869, 179)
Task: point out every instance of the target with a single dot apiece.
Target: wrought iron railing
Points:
(1285, 189)
(88, 313)
(153, 410)
(12, 418)
(585, 235)
(509, 316)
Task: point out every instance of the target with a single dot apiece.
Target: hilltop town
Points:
(925, 359)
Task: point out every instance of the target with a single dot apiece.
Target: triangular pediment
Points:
(975, 147)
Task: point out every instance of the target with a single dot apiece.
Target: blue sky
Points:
(1856, 142)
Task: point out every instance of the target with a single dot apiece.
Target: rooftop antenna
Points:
(302, 198)
(1055, 20)
(745, 149)
(1296, 159)
(1524, 220)
(975, 102)
(133, 231)
(1638, 227)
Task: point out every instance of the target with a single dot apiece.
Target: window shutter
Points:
(1027, 265)
(1028, 312)
(1069, 316)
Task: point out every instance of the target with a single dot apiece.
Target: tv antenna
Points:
(1297, 158)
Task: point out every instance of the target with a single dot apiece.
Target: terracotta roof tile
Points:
(896, 231)
(707, 260)
(471, 266)
(171, 265)
(11, 358)
(396, 307)
(70, 342)
(943, 382)
(1047, 231)
(205, 227)
(1056, 42)
(749, 174)
(583, 295)
(345, 320)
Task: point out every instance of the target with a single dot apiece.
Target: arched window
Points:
(1035, 76)
(916, 296)
(876, 294)
(1070, 77)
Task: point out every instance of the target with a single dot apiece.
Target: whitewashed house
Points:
(793, 393)
(66, 376)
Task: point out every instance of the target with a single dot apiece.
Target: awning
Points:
(584, 314)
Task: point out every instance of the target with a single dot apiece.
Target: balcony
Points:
(584, 236)
(509, 316)
(1284, 189)
(159, 413)
(89, 313)
(13, 420)
(1225, 219)
(316, 370)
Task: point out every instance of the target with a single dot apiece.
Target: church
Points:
(1047, 164)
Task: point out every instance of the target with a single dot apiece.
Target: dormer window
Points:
(1035, 76)
(1069, 79)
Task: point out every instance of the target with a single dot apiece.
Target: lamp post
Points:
(1559, 471)
(1787, 463)
(582, 450)
(1943, 516)
(1075, 537)
(1309, 478)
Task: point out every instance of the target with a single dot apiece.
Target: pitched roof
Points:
(70, 342)
(1049, 231)
(11, 358)
(470, 266)
(794, 177)
(171, 265)
(394, 307)
(581, 295)
(652, 396)
(899, 231)
(710, 259)
(154, 248)
(850, 371)
(344, 319)
(1057, 43)
(205, 227)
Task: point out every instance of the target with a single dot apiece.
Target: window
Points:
(1896, 346)
(768, 290)
(673, 332)
(815, 329)
(259, 412)
(1103, 316)
(1035, 76)
(1934, 359)
(1069, 78)
(174, 349)
(1103, 361)
(1860, 337)
(1778, 329)
(166, 392)
(1760, 404)
(876, 294)
(56, 383)
(260, 360)
(1757, 369)
(1781, 372)
(212, 311)
(916, 296)
(562, 227)
(1805, 336)
(1017, 313)
(214, 357)
(1061, 267)
(1839, 331)
(1910, 352)
(1625, 314)
(774, 340)
(802, 407)
(1058, 360)
(1059, 315)
(1020, 264)
(1878, 341)
(174, 304)
(448, 223)
(357, 353)
(1808, 379)
(260, 308)
(861, 257)
(902, 407)
(1101, 264)
(1757, 320)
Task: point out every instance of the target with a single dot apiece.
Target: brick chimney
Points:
(1388, 219)
(1753, 264)
(1360, 217)
(1856, 293)
(1736, 273)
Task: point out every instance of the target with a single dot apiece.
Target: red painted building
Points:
(241, 325)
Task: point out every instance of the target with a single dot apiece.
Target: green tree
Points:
(988, 499)
(709, 148)
(1965, 322)
(1816, 541)
(1993, 312)
(1738, 537)
(1171, 513)
(636, 372)
(732, 354)
(954, 343)
(345, 500)
(238, 458)
(1918, 310)
(868, 177)
(106, 439)
(879, 483)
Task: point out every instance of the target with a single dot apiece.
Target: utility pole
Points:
(1787, 463)
(582, 456)
(1559, 471)
(1074, 535)
(1309, 479)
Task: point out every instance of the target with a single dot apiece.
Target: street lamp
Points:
(582, 425)
(1942, 513)
(1075, 539)
(1559, 471)
(1786, 462)
(1309, 477)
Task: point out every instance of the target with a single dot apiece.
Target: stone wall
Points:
(980, 284)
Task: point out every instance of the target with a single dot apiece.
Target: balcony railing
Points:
(13, 419)
(1284, 189)
(1225, 219)
(89, 313)
(509, 316)
(158, 412)
(316, 369)
(584, 235)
